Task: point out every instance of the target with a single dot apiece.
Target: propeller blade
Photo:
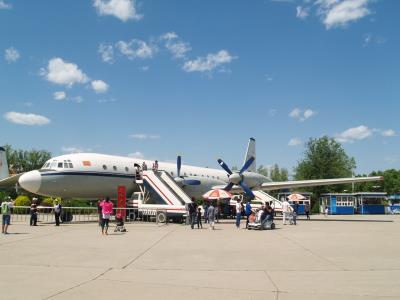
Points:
(247, 190)
(191, 182)
(178, 165)
(224, 166)
(246, 165)
(229, 186)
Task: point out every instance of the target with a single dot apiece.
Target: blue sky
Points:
(198, 78)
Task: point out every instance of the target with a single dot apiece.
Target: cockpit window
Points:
(60, 165)
(53, 164)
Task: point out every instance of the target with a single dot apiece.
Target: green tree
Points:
(23, 160)
(279, 174)
(324, 158)
(263, 170)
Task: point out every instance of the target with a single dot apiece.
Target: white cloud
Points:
(106, 100)
(301, 115)
(353, 134)
(59, 95)
(107, 53)
(208, 63)
(302, 12)
(26, 119)
(4, 5)
(144, 136)
(370, 38)
(145, 68)
(136, 154)
(78, 99)
(272, 112)
(388, 133)
(295, 113)
(122, 9)
(73, 149)
(136, 49)
(99, 86)
(11, 55)
(64, 73)
(295, 142)
(175, 46)
(338, 13)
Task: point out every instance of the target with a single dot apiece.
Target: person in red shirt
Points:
(106, 210)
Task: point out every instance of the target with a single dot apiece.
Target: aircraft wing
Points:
(9, 181)
(269, 186)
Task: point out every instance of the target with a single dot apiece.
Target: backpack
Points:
(5, 209)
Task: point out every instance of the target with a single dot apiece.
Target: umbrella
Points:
(217, 194)
(296, 197)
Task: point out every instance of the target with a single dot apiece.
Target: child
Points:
(198, 217)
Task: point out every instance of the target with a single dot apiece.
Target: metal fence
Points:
(88, 214)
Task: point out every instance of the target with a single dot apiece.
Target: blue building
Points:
(351, 203)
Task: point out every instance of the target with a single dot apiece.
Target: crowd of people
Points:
(210, 212)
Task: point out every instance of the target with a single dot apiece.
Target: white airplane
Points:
(92, 176)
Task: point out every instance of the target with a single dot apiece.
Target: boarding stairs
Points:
(160, 194)
(264, 197)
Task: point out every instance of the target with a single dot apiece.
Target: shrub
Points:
(22, 200)
(47, 202)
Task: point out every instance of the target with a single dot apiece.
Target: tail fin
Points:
(3, 164)
(251, 152)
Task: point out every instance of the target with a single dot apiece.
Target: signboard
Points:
(121, 201)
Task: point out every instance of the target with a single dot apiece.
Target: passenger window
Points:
(184, 174)
(60, 164)
(70, 165)
(104, 167)
(126, 169)
(65, 165)
(115, 168)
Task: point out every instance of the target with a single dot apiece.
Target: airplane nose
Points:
(31, 181)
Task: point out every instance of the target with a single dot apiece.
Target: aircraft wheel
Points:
(161, 217)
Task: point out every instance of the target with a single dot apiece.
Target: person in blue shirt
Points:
(248, 212)
(295, 212)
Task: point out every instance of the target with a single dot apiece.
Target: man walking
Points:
(238, 213)
(192, 212)
(211, 216)
(285, 210)
(295, 212)
(6, 206)
(57, 212)
(307, 210)
(248, 212)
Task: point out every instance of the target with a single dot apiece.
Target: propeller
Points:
(237, 177)
(180, 179)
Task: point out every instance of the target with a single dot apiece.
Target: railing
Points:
(88, 214)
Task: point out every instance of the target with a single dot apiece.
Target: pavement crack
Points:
(277, 291)
(311, 252)
(79, 284)
(148, 249)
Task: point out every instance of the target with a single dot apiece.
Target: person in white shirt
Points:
(238, 213)
(286, 209)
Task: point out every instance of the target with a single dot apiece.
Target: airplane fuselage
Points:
(91, 176)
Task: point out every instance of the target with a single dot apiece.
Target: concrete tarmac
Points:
(338, 257)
